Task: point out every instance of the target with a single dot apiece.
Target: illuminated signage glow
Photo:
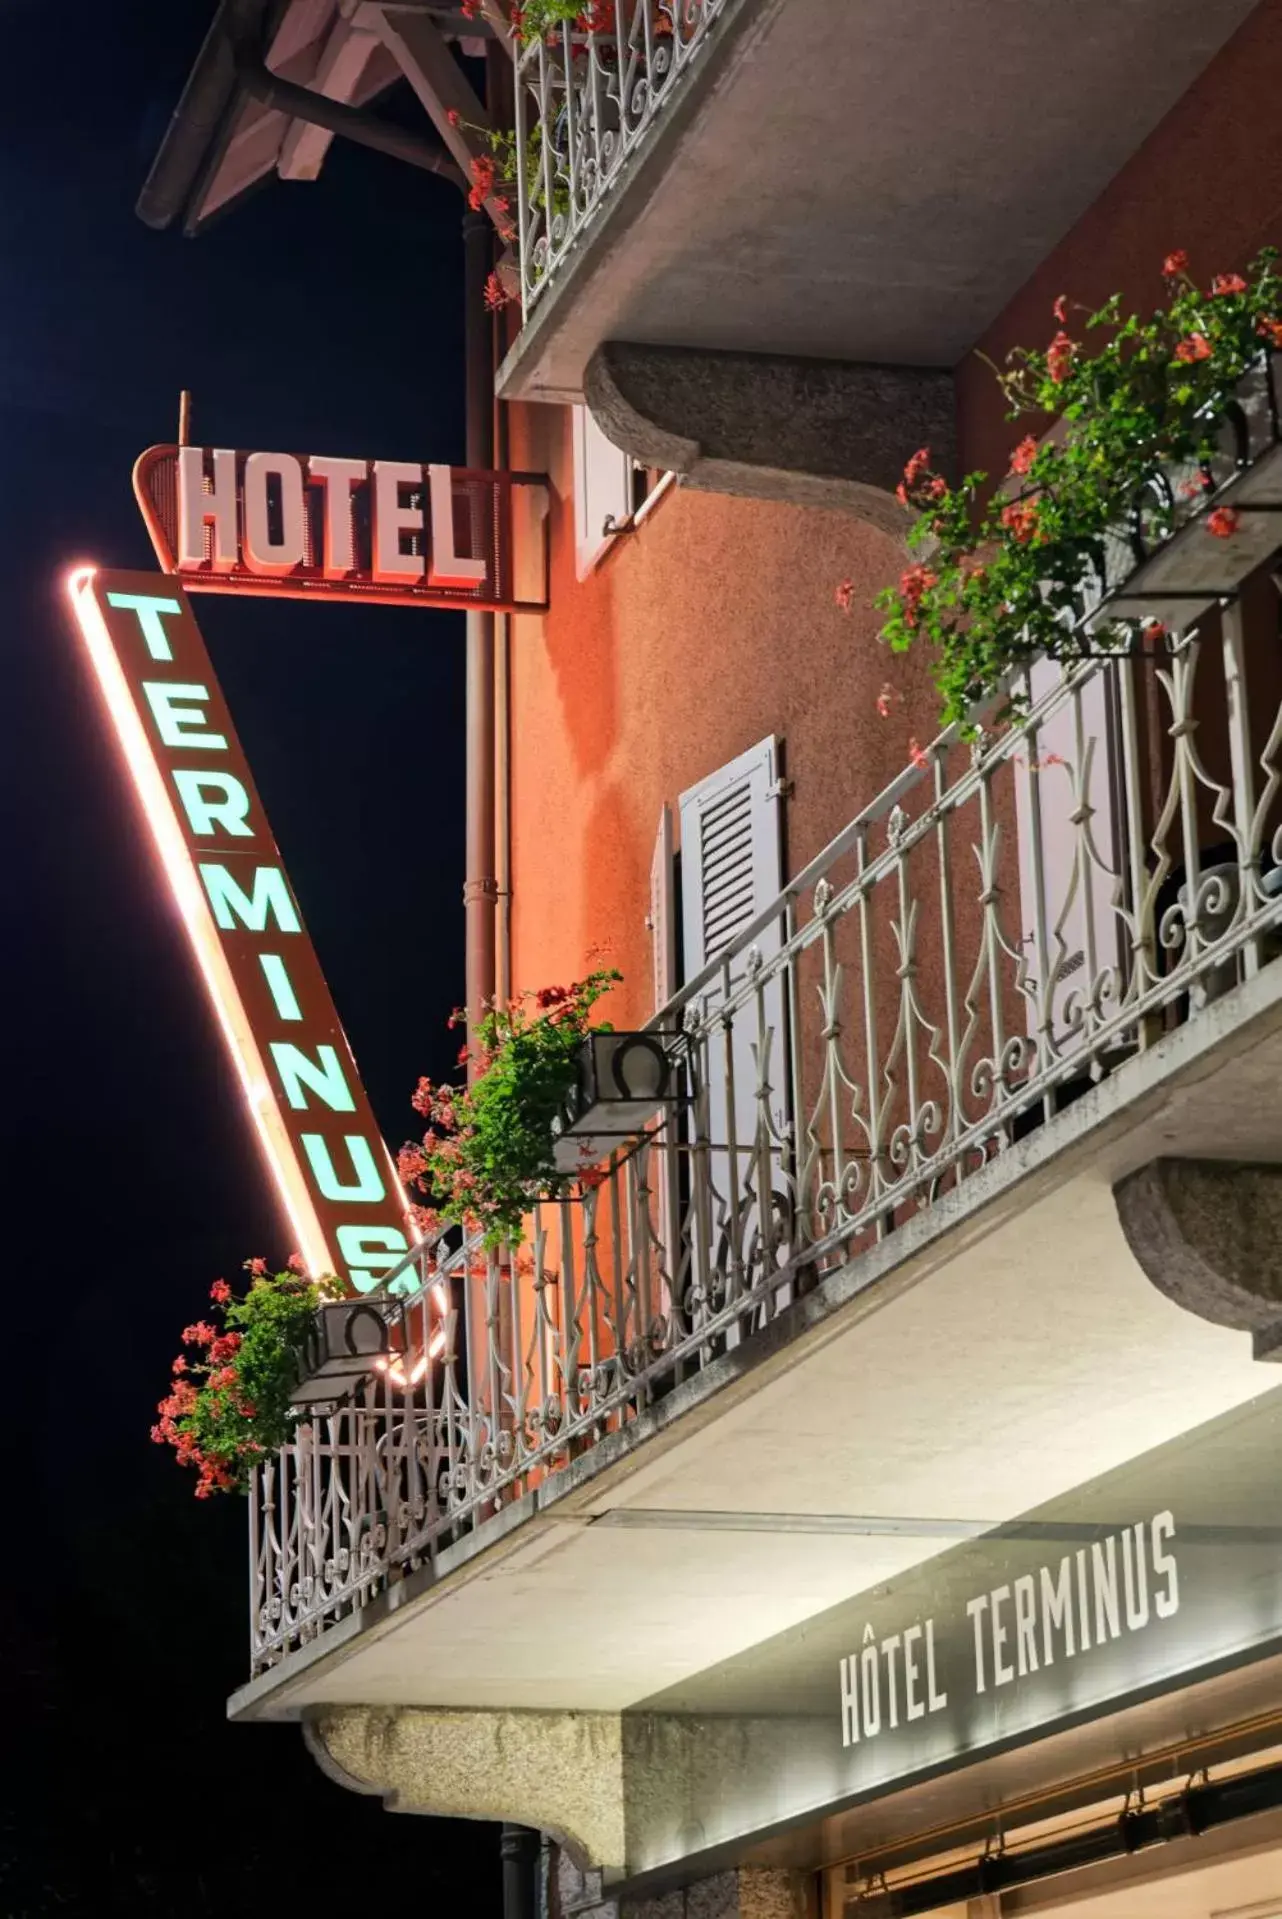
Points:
(331, 1167)
(313, 526)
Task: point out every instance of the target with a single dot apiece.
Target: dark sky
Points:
(315, 318)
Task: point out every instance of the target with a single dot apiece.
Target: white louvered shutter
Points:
(731, 869)
(602, 489)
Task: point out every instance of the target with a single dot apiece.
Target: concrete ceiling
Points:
(867, 179)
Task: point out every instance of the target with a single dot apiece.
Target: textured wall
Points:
(711, 626)
(559, 1772)
(1209, 179)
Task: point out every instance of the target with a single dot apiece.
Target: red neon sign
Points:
(316, 527)
(330, 1165)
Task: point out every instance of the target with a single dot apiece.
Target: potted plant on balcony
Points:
(554, 1094)
(1165, 433)
(234, 1395)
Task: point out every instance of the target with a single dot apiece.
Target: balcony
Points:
(807, 178)
(875, 1269)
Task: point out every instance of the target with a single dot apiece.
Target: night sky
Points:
(321, 318)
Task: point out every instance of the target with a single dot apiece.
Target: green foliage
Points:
(1001, 577)
(536, 19)
(488, 1152)
(230, 1403)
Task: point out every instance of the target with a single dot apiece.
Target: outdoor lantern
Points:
(624, 1080)
(344, 1343)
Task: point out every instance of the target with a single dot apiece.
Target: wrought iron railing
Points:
(1010, 921)
(587, 96)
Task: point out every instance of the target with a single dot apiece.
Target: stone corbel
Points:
(812, 432)
(560, 1772)
(1208, 1234)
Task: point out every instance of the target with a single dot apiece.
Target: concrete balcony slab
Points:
(861, 180)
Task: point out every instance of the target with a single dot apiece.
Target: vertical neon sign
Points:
(331, 1167)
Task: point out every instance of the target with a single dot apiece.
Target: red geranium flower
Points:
(1024, 455)
(482, 181)
(1196, 347)
(1059, 357)
(1020, 520)
(918, 465)
(1228, 283)
(1223, 522)
(1175, 263)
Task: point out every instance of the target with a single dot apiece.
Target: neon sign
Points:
(314, 527)
(331, 1166)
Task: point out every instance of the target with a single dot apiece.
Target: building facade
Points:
(859, 1499)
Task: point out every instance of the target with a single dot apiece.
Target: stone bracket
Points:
(812, 432)
(1208, 1234)
(560, 1772)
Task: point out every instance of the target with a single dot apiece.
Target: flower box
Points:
(1179, 575)
(624, 1079)
(340, 1350)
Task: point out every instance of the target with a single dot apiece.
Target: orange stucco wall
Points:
(711, 626)
(715, 623)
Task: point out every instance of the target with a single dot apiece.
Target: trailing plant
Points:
(487, 1154)
(229, 1403)
(535, 19)
(1002, 576)
(494, 176)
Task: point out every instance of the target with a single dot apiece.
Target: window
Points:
(731, 870)
(609, 488)
(602, 489)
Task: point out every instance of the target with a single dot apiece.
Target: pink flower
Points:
(258, 1267)
(1228, 283)
(845, 594)
(1024, 455)
(1196, 347)
(1059, 357)
(1223, 522)
(454, 117)
(295, 1263)
(1175, 263)
(919, 758)
(199, 1334)
(1060, 308)
(886, 700)
(220, 1292)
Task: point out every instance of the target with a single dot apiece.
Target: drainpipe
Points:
(480, 888)
(519, 1849)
